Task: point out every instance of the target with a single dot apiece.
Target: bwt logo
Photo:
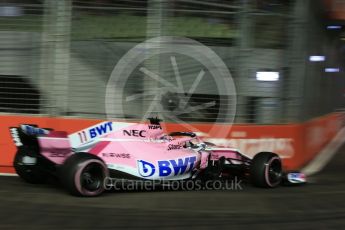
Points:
(145, 168)
(134, 133)
(167, 168)
(101, 129)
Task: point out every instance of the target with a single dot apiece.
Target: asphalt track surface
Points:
(317, 205)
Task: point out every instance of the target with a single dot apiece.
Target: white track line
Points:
(326, 154)
(8, 174)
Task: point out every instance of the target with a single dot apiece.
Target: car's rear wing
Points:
(26, 135)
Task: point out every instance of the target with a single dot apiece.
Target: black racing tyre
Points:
(266, 170)
(27, 167)
(83, 174)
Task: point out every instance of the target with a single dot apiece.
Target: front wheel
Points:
(83, 174)
(266, 170)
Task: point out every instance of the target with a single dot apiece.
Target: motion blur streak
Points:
(57, 57)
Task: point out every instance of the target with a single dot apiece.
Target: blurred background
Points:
(286, 57)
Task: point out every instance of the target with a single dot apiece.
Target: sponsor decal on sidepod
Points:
(167, 167)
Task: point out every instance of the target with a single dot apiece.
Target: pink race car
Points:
(84, 160)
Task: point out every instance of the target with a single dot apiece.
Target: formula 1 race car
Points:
(85, 159)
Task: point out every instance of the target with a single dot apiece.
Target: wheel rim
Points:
(274, 171)
(92, 177)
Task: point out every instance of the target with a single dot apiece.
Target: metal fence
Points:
(58, 58)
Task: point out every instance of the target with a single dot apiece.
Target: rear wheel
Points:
(266, 170)
(83, 174)
(26, 166)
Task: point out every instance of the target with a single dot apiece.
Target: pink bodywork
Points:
(55, 146)
(136, 149)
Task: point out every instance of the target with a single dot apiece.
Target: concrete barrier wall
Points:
(297, 144)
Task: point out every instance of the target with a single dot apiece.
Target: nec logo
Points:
(134, 133)
(167, 168)
(101, 129)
